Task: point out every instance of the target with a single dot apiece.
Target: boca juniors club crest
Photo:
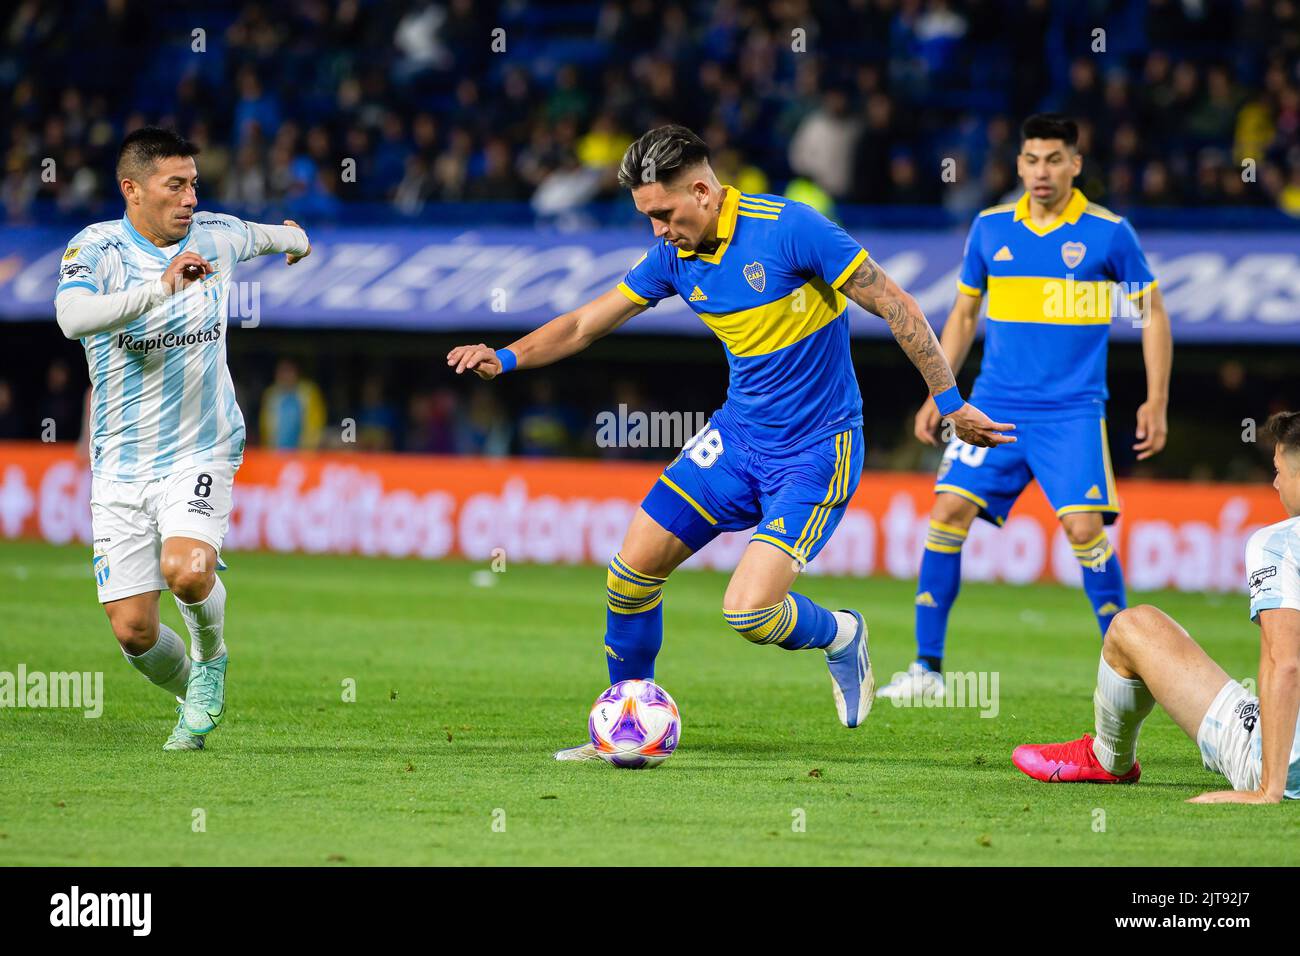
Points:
(1072, 253)
(755, 276)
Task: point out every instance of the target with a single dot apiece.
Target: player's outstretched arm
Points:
(1158, 357)
(872, 289)
(1279, 705)
(958, 335)
(81, 312)
(559, 338)
(291, 239)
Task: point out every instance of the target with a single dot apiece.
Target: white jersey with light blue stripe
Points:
(162, 395)
(1273, 574)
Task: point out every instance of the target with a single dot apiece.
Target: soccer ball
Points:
(635, 724)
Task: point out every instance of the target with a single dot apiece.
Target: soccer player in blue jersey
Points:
(770, 278)
(166, 435)
(1058, 270)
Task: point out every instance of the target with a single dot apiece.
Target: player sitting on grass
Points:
(147, 296)
(769, 276)
(1147, 659)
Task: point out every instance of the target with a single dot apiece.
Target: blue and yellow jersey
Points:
(1053, 292)
(770, 293)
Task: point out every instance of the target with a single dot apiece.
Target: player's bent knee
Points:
(763, 625)
(954, 511)
(1133, 623)
(136, 633)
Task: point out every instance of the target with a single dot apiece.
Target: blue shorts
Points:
(1069, 457)
(718, 483)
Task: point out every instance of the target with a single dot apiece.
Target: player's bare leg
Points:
(635, 578)
(1147, 658)
(157, 652)
(761, 607)
(189, 567)
(939, 580)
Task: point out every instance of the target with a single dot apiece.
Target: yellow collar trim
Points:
(1070, 214)
(726, 226)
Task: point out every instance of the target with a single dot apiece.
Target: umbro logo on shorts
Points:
(199, 506)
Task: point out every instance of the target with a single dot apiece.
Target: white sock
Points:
(205, 622)
(846, 625)
(1120, 705)
(166, 663)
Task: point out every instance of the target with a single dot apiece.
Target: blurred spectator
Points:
(545, 427)
(11, 427)
(61, 404)
(293, 411)
(378, 422)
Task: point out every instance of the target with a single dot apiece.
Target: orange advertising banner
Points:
(1179, 535)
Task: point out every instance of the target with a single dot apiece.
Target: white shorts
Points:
(131, 519)
(1229, 737)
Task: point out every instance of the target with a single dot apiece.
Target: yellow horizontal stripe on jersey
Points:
(776, 325)
(753, 215)
(1049, 301)
(755, 205)
(965, 289)
(627, 291)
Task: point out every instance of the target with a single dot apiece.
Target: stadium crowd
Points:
(861, 101)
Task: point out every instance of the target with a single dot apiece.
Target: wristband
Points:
(949, 400)
(507, 360)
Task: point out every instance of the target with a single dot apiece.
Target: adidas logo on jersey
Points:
(926, 599)
(697, 296)
(1003, 255)
(777, 525)
(1093, 494)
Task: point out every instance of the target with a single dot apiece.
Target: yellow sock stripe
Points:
(812, 528)
(1087, 554)
(1088, 546)
(767, 625)
(626, 595)
(948, 529)
(631, 574)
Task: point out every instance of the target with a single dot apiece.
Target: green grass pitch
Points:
(463, 690)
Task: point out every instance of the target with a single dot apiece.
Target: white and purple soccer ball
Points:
(635, 724)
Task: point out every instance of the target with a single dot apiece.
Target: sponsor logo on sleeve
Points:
(1257, 578)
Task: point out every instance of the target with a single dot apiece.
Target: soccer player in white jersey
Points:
(1147, 659)
(166, 436)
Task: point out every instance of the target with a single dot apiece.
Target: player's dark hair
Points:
(1050, 126)
(661, 155)
(142, 148)
(1284, 428)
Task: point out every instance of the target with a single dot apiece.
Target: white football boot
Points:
(585, 751)
(918, 683)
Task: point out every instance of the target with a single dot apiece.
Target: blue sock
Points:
(795, 624)
(1103, 579)
(634, 622)
(936, 591)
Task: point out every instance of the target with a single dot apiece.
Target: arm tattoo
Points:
(870, 288)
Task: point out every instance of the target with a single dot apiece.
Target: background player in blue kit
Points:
(1057, 270)
(770, 277)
